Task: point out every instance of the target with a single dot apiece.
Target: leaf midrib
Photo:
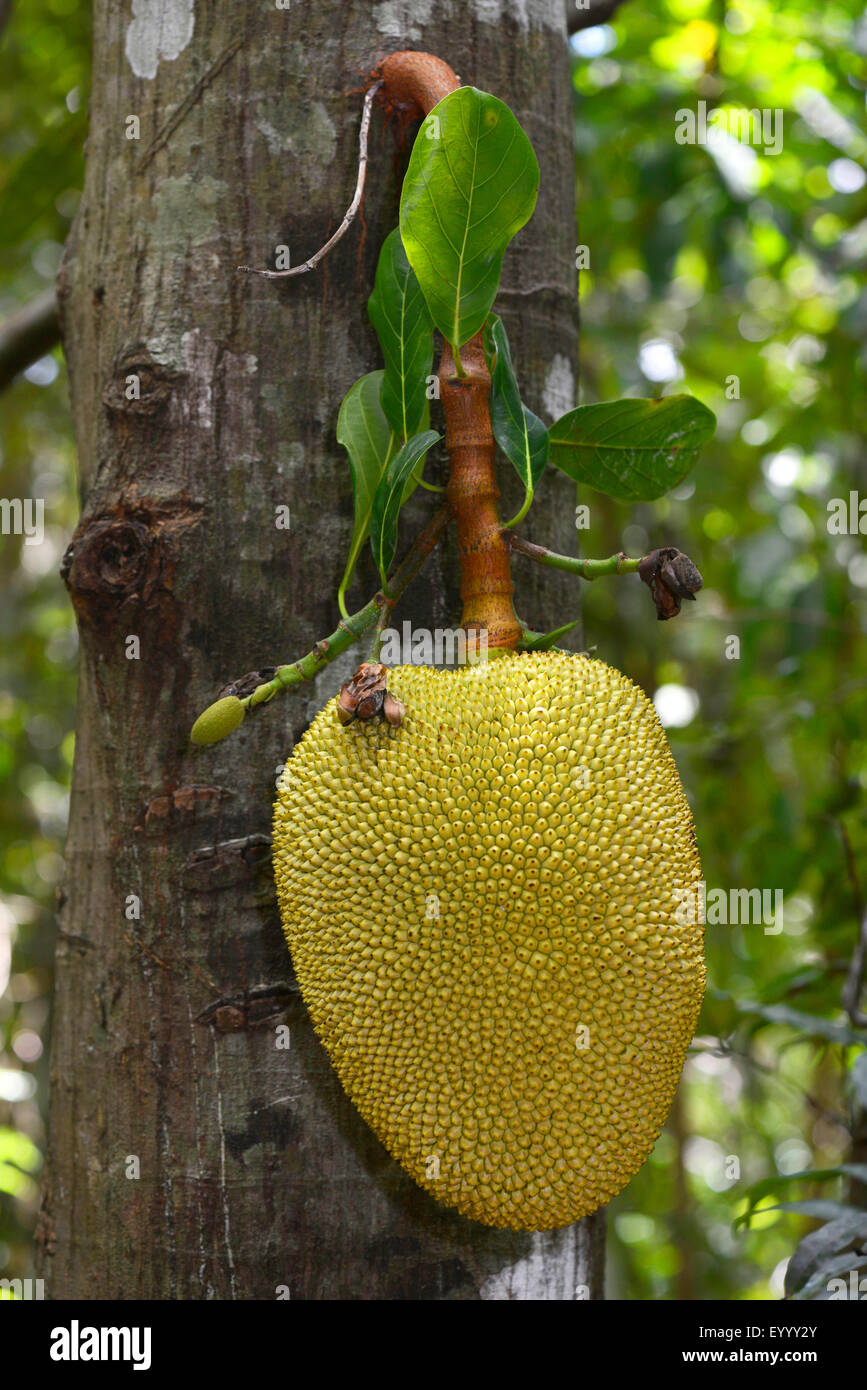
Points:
(620, 448)
(456, 342)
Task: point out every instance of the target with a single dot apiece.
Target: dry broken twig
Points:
(314, 260)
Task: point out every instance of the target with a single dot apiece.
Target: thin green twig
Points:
(351, 629)
(586, 569)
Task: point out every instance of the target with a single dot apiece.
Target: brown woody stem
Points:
(413, 83)
(472, 492)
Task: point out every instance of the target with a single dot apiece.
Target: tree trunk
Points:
(191, 1155)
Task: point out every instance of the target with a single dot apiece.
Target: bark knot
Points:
(139, 385)
(123, 560)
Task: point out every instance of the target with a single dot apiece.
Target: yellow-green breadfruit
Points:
(485, 911)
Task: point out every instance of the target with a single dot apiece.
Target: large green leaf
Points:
(634, 450)
(470, 186)
(818, 1245)
(520, 434)
(390, 497)
(405, 330)
(369, 440)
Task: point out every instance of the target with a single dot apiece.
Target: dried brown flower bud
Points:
(345, 705)
(365, 696)
(394, 710)
(671, 577)
(245, 685)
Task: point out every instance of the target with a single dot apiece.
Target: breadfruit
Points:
(484, 913)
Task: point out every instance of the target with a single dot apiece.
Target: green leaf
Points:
(808, 1024)
(633, 450)
(828, 1240)
(520, 434)
(15, 1147)
(789, 982)
(470, 186)
(15, 1183)
(768, 1187)
(404, 327)
(818, 1282)
(822, 1209)
(390, 497)
(543, 641)
(367, 437)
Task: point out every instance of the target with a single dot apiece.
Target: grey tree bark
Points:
(190, 1156)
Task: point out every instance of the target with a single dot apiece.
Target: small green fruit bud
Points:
(218, 721)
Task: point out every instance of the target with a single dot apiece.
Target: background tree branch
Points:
(5, 14)
(593, 12)
(28, 335)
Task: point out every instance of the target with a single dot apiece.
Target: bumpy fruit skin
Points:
(484, 913)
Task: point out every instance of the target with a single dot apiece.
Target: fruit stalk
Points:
(472, 491)
(413, 83)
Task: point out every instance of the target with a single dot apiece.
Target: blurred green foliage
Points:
(737, 274)
(707, 263)
(44, 74)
